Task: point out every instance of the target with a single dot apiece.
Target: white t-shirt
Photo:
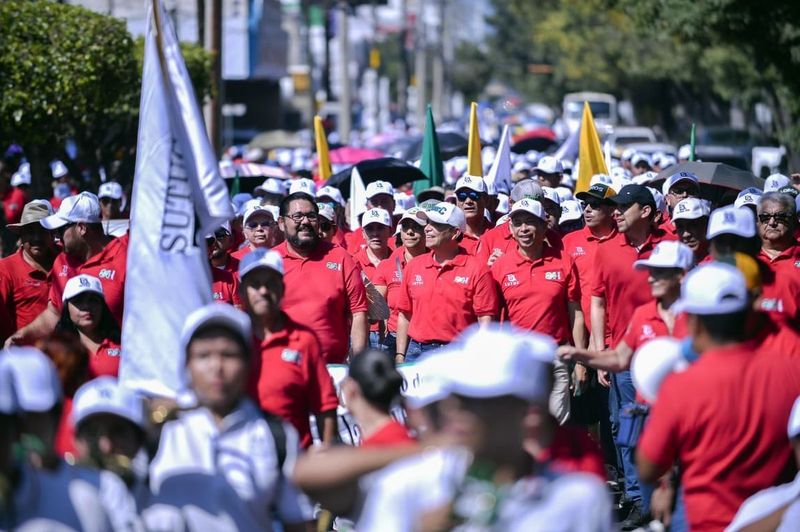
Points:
(240, 456)
(70, 498)
(414, 486)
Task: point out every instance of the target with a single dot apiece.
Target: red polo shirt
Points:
(724, 419)
(390, 275)
(14, 200)
(225, 287)
(500, 239)
(108, 265)
(535, 293)
(392, 433)
(23, 293)
(771, 338)
(580, 247)
(241, 252)
(443, 300)
(371, 271)
(105, 361)
(323, 291)
(646, 324)
(780, 289)
(293, 380)
(232, 265)
(470, 243)
(623, 288)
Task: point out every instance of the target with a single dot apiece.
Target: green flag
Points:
(235, 186)
(431, 162)
(692, 144)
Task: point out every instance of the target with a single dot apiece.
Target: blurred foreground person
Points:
(40, 491)
(225, 464)
(486, 480)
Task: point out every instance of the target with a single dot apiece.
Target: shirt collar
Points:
(548, 254)
(788, 253)
(459, 260)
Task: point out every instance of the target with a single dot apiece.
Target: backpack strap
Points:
(275, 425)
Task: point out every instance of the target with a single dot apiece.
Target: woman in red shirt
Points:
(370, 390)
(87, 315)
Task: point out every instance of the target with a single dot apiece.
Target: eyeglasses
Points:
(298, 216)
(265, 223)
(471, 194)
(593, 204)
(219, 235)
(780, 217)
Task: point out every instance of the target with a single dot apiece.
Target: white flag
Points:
(178, 194)
(568, 151)
(500, 172)
(358, 199)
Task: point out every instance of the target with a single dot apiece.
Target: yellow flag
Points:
(590, 153)
(474, 162)
(323, 159)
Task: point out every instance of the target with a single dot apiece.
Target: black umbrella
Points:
(716, 174)
(451, 144)
(389, 169)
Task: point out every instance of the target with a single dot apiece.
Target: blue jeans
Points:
(679, 523)
(622, 392)
(389, 343)
(416, 349)
(375, 340)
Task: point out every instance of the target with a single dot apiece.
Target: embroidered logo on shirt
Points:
(64, 271)
(578, 251)
(107, 274)
(552, 276)
(335, 266)
(217, 296)
(461, 279)
(797, 264)
(511, 280)
(772, 305)
(113, 351)
(291, 355)
(648, 332)
(417, 280)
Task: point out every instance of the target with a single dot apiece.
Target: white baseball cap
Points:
(377, 216)
(471, 182)
(793, 430)
(551, 194)
(58, 169)
(549, 165)
(627, 154)
(564, 194)
(379, 187)
(713, 288)
(776, 182)
(36, 387)
(444, 213)
(80, 284)
(331, 192)
(272, 185)
(104, 395)
(668, 254)
(217, 314)
(326, 211)
(83, 207)
(521, 363)
(731, 220)
(652, 362)
(639, 157)
(260, 258)
(570, 210)
(620, 173)
(410, 214)
(684, 152)
(690, 209)
(531, 206)
(502, 203)
(748, 196)
(22, 176)
(110, 190)
(644, 179)
(303, 184)
(677, 178)
(256, 208)
(668, 160)
(601, 178)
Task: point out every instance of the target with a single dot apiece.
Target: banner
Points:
(178, 197)
(500, 172)
(358, 199)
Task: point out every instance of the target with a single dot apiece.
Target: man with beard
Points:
(260, 229)
(224, 274)
(324, 290)
(87, 249)
(690, 217)
(23, 275)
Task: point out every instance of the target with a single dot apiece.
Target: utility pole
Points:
(421, 66)
(344, 73)
(213, 44)
(402, 78)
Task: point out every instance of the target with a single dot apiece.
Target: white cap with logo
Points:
(272, 185)
(731, 220)
(677, 178)
(111, 190)
(748, 196)
(83, 207)
(35, 384)
(260, 258)
(22, 176)
(80, 284)
(571, 210)
(379, 187)
(471, 182)
(776, 182)
(549, 165)
(256, 208)
(530, 206)
(714, 288)
(217, 314)
(444, 213)
(331, 192)
(303, 184)
(58, 169)
(651, 364)
(326, 211)
(376, 216)
(551, 194)
(690, 209)
(668, 254)
(105, 395)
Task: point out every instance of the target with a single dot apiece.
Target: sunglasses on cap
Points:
(780, 217)
(266, 223)
(462, 195)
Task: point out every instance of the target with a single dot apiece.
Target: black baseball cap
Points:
(634, 194)
(597, 191)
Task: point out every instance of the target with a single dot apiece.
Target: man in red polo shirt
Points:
(290, 376)
(780, 253)
(23, 276)
(219, 245)
(444, 291)
(618, 289)
(472, 198)
(87, 249)
(260, 229)
(376, 224)
(724, 417)
(324, 290)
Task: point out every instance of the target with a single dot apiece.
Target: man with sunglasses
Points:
(472, 199)
(324, 290)
(224, 268)
(24, 281)
(676, 188)
(260, 228)
(777, 219)
(87, 249)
